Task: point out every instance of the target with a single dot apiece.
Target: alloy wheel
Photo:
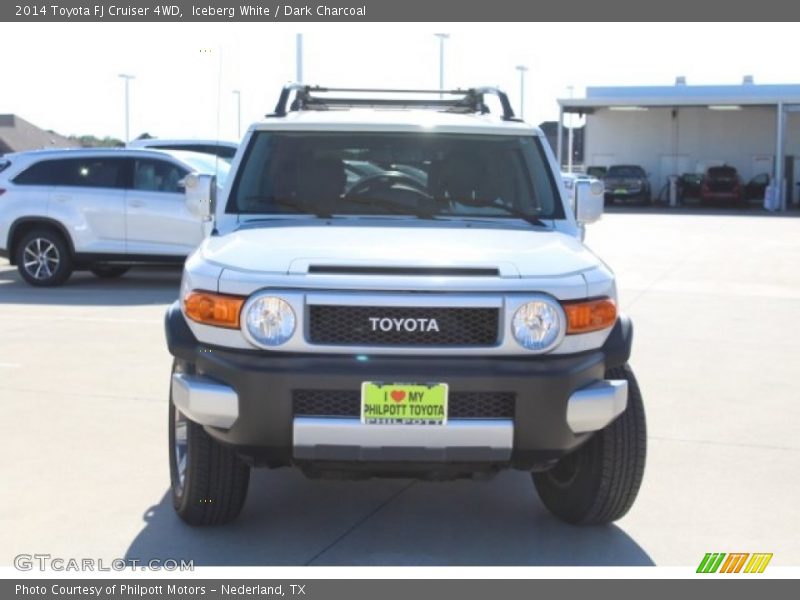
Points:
(181, 444)
(41, 258)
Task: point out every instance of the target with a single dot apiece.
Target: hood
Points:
(278, 247)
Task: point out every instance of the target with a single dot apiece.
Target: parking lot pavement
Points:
(84, 375)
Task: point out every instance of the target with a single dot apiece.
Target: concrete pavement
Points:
(84, 375)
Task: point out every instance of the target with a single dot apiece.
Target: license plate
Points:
(403, 403)
(620, 191)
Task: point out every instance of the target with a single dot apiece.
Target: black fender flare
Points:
(618, 345)
(180, 340)
(46, 221)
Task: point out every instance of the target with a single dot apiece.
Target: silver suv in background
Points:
(97, 209)
(223, 149)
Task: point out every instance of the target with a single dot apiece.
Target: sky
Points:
(65, 76)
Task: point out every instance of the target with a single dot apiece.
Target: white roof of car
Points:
(179, 142)
(47, 152)
(392, 119)
(33, 155)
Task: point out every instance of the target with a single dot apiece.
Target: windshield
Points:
(722, 172)
(224, 152)
(626, 172)
(598, 172)
(419, 174)
(207, 164)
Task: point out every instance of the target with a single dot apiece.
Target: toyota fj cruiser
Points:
(395, 285)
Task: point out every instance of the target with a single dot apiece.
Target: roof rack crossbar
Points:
(460, 100)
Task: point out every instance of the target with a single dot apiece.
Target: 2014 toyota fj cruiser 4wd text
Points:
(396, 285)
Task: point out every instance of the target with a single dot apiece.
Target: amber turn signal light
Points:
(590, 315)
(219, 310)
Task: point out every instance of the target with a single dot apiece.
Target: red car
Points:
(721, 183)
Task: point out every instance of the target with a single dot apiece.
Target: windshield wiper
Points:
(395, 208)
(510, 210)
(294, 206)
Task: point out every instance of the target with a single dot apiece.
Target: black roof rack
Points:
(306, 97)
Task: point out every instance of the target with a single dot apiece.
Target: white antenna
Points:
(299, 58)
(238, 95)
(219, 110)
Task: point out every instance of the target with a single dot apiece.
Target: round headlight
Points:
(538, 325)
(269, 320)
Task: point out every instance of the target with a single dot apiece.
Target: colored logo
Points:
(734, 562)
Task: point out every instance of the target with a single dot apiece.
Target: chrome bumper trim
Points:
(205, 401)
(321, 438)
(595, 406)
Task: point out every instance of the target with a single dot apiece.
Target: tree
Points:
(91, 141)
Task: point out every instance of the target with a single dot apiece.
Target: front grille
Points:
(628, 187)
(481, 405)
(626, 184)
(402, 326)
(326, 403)
(347, 403)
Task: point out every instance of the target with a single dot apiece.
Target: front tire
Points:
(208, 481)
(43, 258)
(598, 483)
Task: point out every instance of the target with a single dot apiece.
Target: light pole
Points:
(522, 69)
(298, 46)
(442, 37)
(127, 79)
(569, 134)
(238, 95)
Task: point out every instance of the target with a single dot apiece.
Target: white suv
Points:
(97, 209)
(397, 287)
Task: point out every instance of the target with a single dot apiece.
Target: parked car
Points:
(755, 188)
(434, 326)
(689, 185)
(721, 183)
(223, 149)
(597, 172)
(97, 209)
(627, 183)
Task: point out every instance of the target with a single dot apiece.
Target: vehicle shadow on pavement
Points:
(291, 520)
(141, 285)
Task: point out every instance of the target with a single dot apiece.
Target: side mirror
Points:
(200, 194)
(588, 201)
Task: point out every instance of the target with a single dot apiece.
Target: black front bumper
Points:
(264, 382)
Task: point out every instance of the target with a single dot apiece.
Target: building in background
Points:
(550, 130)
(17, 135)
(673, 130)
